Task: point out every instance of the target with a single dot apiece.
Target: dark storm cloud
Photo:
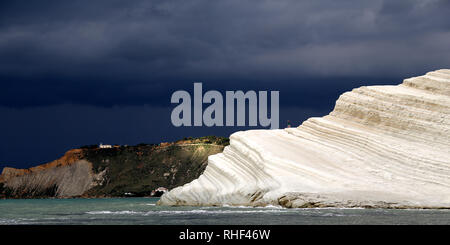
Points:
(30, 136)
(83, 72)
(138, 52)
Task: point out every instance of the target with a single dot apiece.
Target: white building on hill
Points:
(104, 146)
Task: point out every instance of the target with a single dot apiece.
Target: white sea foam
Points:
(16, 221)
(181, 212)
(113, 212)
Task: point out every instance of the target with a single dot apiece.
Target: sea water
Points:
(112, 211)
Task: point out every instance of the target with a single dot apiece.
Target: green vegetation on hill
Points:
(128, 170)
(143, 168)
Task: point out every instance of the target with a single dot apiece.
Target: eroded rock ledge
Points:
(381, 146)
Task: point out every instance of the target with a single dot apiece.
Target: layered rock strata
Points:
(381, 146)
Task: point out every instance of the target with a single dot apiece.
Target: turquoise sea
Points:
(145, 211)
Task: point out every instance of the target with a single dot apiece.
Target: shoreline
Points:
(258, 206)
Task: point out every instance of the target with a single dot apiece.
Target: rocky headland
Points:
(119, 171)
(381, 147)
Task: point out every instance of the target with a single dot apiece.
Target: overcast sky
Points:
(84, 72)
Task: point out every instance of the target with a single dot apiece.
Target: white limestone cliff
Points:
(381, 146)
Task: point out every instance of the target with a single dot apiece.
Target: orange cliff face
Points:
(69, 158)
(97, 172)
